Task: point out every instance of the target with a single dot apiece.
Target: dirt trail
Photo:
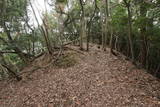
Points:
(98, 80)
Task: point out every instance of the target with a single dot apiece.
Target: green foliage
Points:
(119, 19)
(66, 23)
(12, 10)
(14, 59)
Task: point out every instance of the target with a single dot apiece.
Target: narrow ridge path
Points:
(98, 80)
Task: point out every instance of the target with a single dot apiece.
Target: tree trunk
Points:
(88, 37)
(82, 31)
(44, 31)
(128, 4)
(130, 32)
(143, 12)
(106, 24)
(90, 23)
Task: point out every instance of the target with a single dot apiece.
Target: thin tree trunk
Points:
(102, 31)
(90, 23)
(143, 12)
(130, 33)
(82, 32)
(106, 25)
(88, 37)
(111, 32)
(42, 30)
(130, 29)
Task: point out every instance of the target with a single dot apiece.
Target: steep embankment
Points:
(97, 80)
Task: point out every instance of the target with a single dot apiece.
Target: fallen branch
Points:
(12, 72)
(4, 52)
(75, 50)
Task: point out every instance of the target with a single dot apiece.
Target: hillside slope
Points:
(98, 79)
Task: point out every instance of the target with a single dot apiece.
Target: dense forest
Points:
(131, 27)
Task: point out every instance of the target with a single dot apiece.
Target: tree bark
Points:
(82, 31)
(130, 29)
(143, 12)
(90, 23)
(130, 33)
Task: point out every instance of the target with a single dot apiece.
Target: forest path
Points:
(98, 80)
